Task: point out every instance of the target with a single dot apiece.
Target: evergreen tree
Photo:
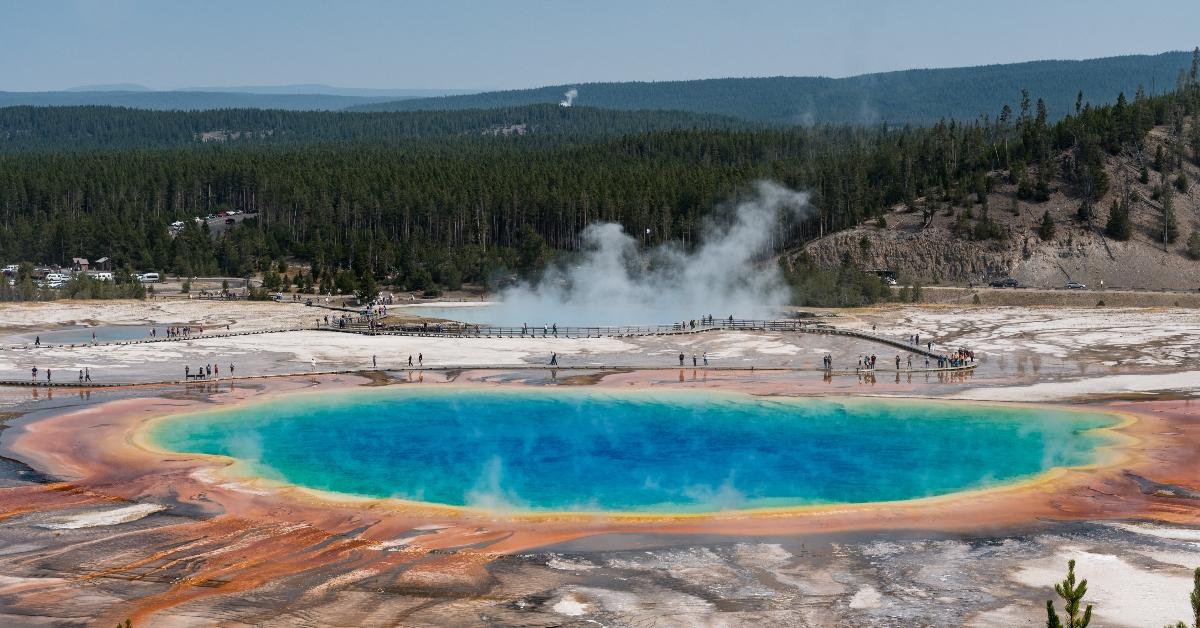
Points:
(1170, 228)
(1118, 226)
(1046, 227)
(1193, 245)
(1072, 594)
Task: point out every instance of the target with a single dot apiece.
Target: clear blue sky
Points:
(54, 44)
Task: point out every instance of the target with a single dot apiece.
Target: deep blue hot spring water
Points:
(598, 450)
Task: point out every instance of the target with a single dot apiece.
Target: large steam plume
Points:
(569, 98)
(617, 282)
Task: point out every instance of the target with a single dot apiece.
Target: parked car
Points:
(1075, 285)
(149, 278)
(230, 221)
(1006, 282)
(11, 269)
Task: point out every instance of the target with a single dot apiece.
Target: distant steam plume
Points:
(569, 98)
(618, 282)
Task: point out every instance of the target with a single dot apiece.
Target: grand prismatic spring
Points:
(650, 452)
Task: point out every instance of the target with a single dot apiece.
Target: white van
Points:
(56, 278)
(102, 276)
(149, 278)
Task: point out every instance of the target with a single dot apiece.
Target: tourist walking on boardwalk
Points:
(34, 373)
(420, 359)
(553, 359)
(87, 374)
(910, 361)
(37, 341)
(47, 376)
(680, 358)
(187, 372)
(312, 362)
(231, 369)
(897, 361)
(694, 360)
(80, 376)
(705, 358)
(374, 363)
(410, 359)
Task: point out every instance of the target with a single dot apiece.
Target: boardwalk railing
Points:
(361, 325)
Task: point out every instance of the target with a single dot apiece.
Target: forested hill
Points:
(85, 128)
(916, 96)
(188, 100)
(441, 211)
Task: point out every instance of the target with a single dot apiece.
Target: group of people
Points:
(547, 329)
(177, 332)
(208, 371)
(961, 357)
(85, 374)
(695, 361)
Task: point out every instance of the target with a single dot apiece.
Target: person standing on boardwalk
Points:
(80, 376)
(187, 371)
(705, 356)
(680, 358)
(374, 362)
(231, 369)
(897, 361)
(694, 364)
(553, 359)
(420, 359)
(47, 376)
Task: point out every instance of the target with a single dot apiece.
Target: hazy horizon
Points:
(456, 45)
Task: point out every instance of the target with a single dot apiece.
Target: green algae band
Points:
(595, 450)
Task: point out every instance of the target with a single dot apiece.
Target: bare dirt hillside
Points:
(932, 253)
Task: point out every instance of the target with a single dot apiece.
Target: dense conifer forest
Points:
(907, 96)
(439, 202)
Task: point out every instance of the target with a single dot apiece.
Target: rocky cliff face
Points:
(931, 252)
(925, 255)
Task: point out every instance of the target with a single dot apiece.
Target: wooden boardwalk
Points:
(468, 332)
(74, 384)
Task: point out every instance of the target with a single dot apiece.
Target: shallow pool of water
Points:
(597, 450)
(83, 335)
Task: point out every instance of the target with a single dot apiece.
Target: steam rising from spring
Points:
(569, 97)
(616, 282)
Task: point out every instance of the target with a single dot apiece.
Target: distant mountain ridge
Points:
(26, 128)
(286, 97)
(187, 100)
(906, 96)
